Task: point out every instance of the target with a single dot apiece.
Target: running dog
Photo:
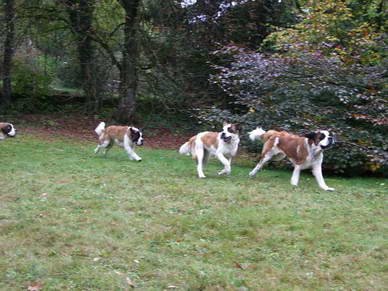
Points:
(223, 145)
(7, 130)
(304, 152)
(126, 137)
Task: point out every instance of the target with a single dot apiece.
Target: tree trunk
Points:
(9, 49)
(81, 17)
(128, 72)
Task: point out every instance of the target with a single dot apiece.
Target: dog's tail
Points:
(187, 147)
(256, 134)
(100, 128)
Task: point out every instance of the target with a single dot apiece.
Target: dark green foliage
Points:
(178, 51)
(69, 76)
(311, 92)
(30, 86)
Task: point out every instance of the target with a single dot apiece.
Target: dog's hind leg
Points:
(206, 156)
(200, 154)
(261, 163)
(278, 157)
(268, 152)
(108, 147)
(103, 145)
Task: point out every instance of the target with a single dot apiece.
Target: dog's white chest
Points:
(315, 157)
(229, 148)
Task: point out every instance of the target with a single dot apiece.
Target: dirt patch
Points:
(81, 128)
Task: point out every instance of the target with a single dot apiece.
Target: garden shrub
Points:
(308, 92)
(30, 87)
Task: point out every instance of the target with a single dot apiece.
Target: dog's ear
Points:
(236, 127)
(313, 136)
(6, 129)
(310, 135)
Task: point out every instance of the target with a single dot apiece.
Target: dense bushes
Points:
(311, 91)
(31, 86)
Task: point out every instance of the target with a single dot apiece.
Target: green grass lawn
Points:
(72, 220)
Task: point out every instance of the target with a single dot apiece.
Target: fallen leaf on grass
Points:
(130, 283)
(36, 286)
(238, 265)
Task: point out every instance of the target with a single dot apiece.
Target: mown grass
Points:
(75, 221)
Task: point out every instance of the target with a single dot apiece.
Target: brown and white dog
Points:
(124, 136)
(223, 145)
(303, 151)
(6, 129)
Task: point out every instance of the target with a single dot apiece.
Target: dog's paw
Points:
(329, 189)
(252, 174)
(201, 176)
(223, 172)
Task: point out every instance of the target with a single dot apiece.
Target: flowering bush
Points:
(306, 92)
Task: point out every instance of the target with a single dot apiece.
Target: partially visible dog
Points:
(7, 130)
(303, 151)
(124, 136)
(223, 145)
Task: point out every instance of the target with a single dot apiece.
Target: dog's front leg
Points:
(317, 172)
(132, 155)
(227, 168)
(295, 175)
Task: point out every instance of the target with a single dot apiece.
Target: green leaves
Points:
(307, 92)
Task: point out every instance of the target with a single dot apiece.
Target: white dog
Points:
(222, 145)
(124, 136)
(304, 152)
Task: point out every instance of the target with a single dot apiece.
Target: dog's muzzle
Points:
(226, 138)
(12, 133)
(332, 141)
